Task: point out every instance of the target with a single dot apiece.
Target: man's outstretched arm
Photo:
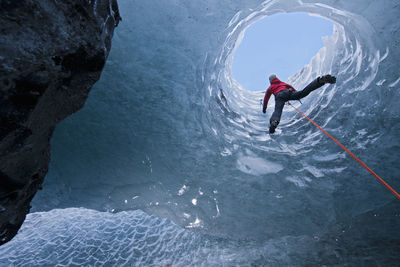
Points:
(266, 99)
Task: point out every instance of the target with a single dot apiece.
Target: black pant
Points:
(287, 95)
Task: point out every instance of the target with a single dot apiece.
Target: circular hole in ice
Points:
(281, 44)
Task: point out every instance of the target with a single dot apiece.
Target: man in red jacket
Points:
(284, 92)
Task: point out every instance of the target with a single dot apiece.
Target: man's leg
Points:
(307, 90)
(317, 83)
(276, 116)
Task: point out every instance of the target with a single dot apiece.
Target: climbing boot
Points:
(273, 126)
(327, 79)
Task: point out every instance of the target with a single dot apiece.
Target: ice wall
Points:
(168, 131)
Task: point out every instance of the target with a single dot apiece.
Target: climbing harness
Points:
(351, 154)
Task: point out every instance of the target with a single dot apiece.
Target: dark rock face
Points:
(51, 54)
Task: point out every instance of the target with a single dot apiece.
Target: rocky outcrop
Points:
(51, 54)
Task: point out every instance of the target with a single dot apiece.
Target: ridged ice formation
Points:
(169, 132)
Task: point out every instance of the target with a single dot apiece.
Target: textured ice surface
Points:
(82, 237)
(85, 237)
(168, 131)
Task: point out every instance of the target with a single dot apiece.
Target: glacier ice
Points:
(167, 124)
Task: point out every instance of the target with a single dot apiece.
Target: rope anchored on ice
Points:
(284, 92)
(351, 154)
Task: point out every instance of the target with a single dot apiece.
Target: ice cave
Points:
(169, 162)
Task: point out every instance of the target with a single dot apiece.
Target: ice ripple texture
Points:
(86, 237)
(82, 237)
(167, 130)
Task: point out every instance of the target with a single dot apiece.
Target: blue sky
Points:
(280, 44)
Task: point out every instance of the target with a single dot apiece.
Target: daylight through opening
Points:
(281, 44)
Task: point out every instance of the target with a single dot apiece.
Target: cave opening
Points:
(281, 44)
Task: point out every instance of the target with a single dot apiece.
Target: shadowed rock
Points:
(51, 54)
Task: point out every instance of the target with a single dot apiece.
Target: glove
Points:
(264, 111)
(327, 79)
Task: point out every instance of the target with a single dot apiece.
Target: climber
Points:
(284, 92)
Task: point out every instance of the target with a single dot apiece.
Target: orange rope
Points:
(351, 154)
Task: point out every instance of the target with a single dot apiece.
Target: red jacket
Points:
(275, 87)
